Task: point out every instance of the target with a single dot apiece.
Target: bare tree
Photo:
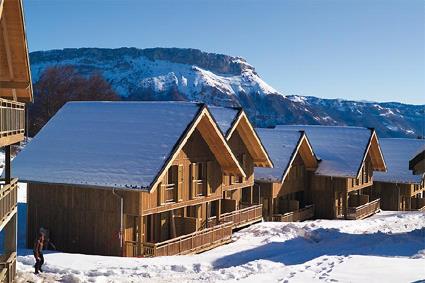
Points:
(58, 85)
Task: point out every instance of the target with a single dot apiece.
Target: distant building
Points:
(128, 178)
(399, 188)
(15, 90)
(341, 186)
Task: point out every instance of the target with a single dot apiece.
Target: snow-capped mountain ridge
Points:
(190, 74)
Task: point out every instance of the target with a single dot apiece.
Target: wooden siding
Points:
(291, 195)
(79, 220)
(195, 151)
(397, 196)
(239, 149)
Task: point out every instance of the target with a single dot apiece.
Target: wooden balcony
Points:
(244, 216)
(8, 268)
(187, 244)
(12, 122)
(295, 216)
(8, 201)
(363, 211)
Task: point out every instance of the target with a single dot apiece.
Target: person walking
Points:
(38, 253)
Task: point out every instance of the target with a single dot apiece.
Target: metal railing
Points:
(12, 117)
(186, 244)
(295, 216)
(8, 198)
(364, 210)
(243, 216)
(8, 269)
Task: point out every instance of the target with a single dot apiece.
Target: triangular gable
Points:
(214, 139)
(283, 147)
(15, 75)
(253, 143)
(307, 154)
(374, 151)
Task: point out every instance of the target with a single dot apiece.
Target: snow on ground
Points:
(388, 247)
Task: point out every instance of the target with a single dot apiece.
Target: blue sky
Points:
(351, 49)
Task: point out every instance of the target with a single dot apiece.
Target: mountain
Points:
(190, 74)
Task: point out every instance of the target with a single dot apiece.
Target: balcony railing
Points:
(8, 268)
(12, 120)
(192, 243)
(364, 210)
(295, 216)
(243, 217)
(8, 199)
(417, 204)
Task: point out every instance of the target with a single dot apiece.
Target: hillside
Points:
(189, 74)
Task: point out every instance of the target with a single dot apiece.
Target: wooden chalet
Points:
(283, 189)
(399, 188)
(128, 178)
(341, 186)
(239, 204)
(417, 163)
(15, 90)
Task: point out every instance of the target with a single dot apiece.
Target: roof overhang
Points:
(212, 135)
(417, 163)
(15, 75)
(253, 143)
(307, 154)
(373, 149)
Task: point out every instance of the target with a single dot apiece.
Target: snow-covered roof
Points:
(341, 149)
(225, 117)
(281, 146)
(397, 153)
(113, 144)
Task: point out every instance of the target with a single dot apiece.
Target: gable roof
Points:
(234, 119)
(417, 163)
(283, 147)
(127, 145)
(15, 75)
(341, 149)
(397, 154)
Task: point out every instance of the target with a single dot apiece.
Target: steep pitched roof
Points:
(283, 147)
(225, 117)
(231, 120)
(397, 154)
(117, 144)
(341, 150)
(417, 163)
(15, 75)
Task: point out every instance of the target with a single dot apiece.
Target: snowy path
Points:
(389, 247)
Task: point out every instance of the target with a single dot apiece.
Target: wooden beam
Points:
(1, 8)
(8, 54)
(7, 164)
(14, 84)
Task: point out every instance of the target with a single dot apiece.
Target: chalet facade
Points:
(399, 188)
(341, 186)
(128, 178)
(15, 90)
(283, 189)
(239, 203)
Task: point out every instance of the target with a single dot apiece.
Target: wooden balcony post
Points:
(10, 236)
(345, 203)
(7, 169)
